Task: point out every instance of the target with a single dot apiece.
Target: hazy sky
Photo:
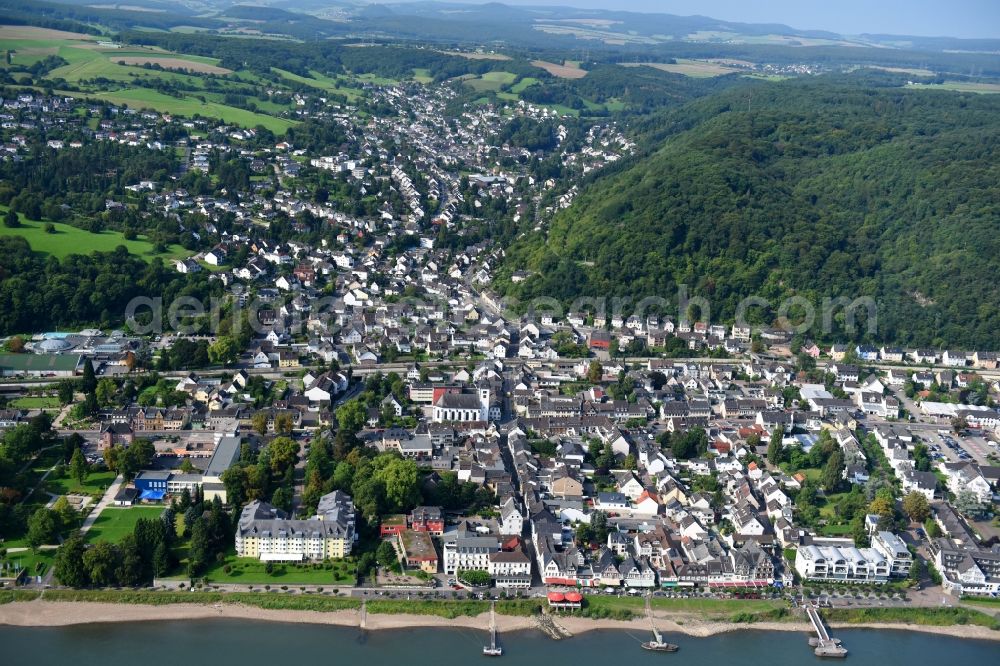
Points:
(952, 18)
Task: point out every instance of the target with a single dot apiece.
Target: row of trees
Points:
(134, 560)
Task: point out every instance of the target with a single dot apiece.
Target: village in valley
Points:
(371, 420)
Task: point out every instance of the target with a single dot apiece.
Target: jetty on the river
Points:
(493, 650)
(826, 645)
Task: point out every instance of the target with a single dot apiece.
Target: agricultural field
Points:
(115, 523)
(958, 86)
(143, 98)
(129, 69)
(68, 240)
(568, 70)
(340, 85)
(172, 63)
(692, 68)
(491, 81)
(478, 56)
(523, 84)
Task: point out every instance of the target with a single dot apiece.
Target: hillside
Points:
(825, 187)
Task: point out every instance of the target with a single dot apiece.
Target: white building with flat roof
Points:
(847, 564)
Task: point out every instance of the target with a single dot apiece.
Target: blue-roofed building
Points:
(152, 483)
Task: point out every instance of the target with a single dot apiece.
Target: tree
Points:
(101, 562)
(130, 565)
(161, 559)
(595, 372)
(88, 384)
(283, 423)
(831, 476)
(224, 351)
(775, 449)
(106, 391)
(11, 220)
(66, 515)
(599, 525)
(916, 506)
(282, 454)
(15, 345)
(657, 380)
(235, 479)
(259, 422)
(351, 416)
(690, 444)
(882, 506)
(43, 528)
(400, 479)
(283, 498)
(967, 503)
(69, 566)
(66, 388)
(129, 461)
(20, 442)
(386, 555)
(959, 424)
(807, 496)
(584, 533)
(78, 466)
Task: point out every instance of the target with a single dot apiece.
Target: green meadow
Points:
(69, 240)
(114, 523)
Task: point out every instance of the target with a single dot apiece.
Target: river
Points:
(252, 643)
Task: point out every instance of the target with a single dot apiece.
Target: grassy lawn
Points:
(250, 571)
(421, 75)
(36, 563)
(96, 482)
(115, 523)
(69, 240)
(36, 402)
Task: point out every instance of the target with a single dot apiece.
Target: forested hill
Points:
(833, 186)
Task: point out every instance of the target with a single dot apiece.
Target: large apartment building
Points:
(267, 533)
(469, 552)
(967, 568)
(847, 564)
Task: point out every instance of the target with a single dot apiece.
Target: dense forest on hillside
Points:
(327, 56)
(834, 186)
(43, 293)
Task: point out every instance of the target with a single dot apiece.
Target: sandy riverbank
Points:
(41, 613)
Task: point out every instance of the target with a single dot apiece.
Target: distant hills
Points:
(535, 26)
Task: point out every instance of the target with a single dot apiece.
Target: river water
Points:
(251, 643)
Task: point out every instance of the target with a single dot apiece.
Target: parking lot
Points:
(954, 448)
